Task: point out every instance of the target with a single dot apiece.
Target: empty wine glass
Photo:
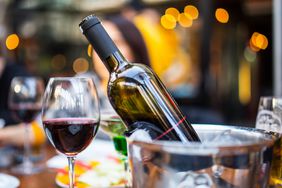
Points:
(70, 116)
(25, 100)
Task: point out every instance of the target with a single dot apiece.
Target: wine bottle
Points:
(135, 91)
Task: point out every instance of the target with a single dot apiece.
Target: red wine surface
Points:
(70, 135)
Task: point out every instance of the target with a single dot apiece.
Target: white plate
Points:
(7, 180)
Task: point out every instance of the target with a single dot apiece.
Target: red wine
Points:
(70, 135)
(25, 113)
(135, 91)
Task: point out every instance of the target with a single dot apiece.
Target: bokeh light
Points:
(253, 47)
(80, 65)
(173, 12)
(89, 50)
(221, 15)
(12, 41)
(17, 88)
(245, 85)
(168, 21)
(191, 11)
(58, 62)
(184, 20)
(259, 41)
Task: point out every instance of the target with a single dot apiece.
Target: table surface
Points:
(44, 179)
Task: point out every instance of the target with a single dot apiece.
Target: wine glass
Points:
(25, 100)
(269, 118)
(70, 115)
(113, 126)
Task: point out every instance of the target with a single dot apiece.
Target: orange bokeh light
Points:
(191, 11)
(222, 15)
(184, 20)
(80, 65)
(168, 21)
(12, 41)
(173, 12)
(258, 41)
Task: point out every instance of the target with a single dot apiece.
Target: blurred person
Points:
(174, 66)
(12, 131)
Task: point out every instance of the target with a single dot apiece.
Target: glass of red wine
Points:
(25, 100)
(70, 115)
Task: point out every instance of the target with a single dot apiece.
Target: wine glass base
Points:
(27, 170)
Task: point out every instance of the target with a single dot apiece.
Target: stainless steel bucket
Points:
(228, 156)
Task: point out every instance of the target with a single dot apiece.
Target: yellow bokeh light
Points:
(259, 41)
(12, 41)
(173, 12)
(191, 11)
(89, 50)
(184, 20)
(222, 15)
(168, 21)
(80, 65)
(245, 86)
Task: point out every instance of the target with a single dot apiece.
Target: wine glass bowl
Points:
(25, 100)
(25, 97)
(70, 116)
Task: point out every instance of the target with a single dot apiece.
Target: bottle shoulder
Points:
(132, 71)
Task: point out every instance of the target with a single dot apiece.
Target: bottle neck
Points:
(115, 61)
(102, 43)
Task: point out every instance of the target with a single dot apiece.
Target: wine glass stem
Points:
(27, 164)
(127, 172)
(71, 161)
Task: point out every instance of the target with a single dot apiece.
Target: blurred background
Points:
(216, 56)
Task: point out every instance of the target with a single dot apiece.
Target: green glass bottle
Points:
(135, 91)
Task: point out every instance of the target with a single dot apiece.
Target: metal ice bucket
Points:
(228, 157)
